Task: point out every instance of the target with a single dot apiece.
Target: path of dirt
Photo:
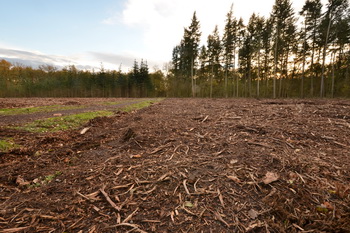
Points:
(186, 165)
(82, 104)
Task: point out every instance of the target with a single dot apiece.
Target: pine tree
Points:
(312, 16)
(336, 10)
(190, 47)
(214, 51)
(228, 44)
(267, 41)
(284, 29)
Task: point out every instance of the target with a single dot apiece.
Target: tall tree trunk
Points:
(333, 81)
(211, 81)
(250, 79)
(304, 61)
(226, 74)
(322, 93)
(266, 75)
(192, 81)
(258, 79)
(312, 59)
(275, 74)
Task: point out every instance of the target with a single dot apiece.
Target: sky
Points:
(91, 34)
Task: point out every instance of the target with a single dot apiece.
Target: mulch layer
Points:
(185, 165)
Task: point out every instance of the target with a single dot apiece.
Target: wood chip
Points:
(234, 178)
(270, 177)
(83, 131)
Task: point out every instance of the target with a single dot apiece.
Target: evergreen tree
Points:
(267, 40)
(228, 44)
(284, 29)
(311, 12)
(214, 51)
(336, 10)
(189, 49)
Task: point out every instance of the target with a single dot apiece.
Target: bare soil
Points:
(185, 165)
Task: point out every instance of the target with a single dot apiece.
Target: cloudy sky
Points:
(88, 33)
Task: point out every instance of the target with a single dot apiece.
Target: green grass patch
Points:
(50, 108)
(125, 101)
(140, 105)
(112, 103)
(7, 145)
(62, 123)
(44, 180)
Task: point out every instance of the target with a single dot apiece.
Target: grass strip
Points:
(7, 145)
(140, 105)
(50, 108)
(62, 123)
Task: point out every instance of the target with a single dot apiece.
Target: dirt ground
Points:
(185, 165)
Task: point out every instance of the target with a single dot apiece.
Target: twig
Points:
(17, 229)
(137, 143)
(127, 219)
(109, 200)
(218, 217)
(185, 186)
(122, 186)
(205, 118)
(171, 157)
(189, 212)
(221, 198)
(85, 197)
(134, 226)
(151, 221)
(195, 185)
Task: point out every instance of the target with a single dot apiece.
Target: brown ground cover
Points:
(185, 165)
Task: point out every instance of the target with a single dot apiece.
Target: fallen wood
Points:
(108, 199)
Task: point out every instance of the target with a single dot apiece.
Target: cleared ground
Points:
(184, 165)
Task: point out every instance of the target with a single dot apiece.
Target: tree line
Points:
(48, 81)
(288, 54)
(284, 55)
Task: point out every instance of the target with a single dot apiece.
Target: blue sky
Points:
(87, 33)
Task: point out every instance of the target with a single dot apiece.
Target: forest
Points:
(289, 54)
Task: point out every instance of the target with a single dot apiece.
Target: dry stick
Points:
(185, 186)
(14, 229)
(195, 185)
(205, 118)
(82, 195)
(74, 224)
(218, 217)
(189, 212)
(260, 144)
(109, 200)
(134, 226)
(221, 198)
(127, 219)
(170, 157)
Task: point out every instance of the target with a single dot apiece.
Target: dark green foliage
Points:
(47, 81)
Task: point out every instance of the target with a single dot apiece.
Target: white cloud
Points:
(86, 61)
(162, 21)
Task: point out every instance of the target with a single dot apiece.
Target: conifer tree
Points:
(214, 51)
(228, 44)
(284, 28)
(311, 12)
